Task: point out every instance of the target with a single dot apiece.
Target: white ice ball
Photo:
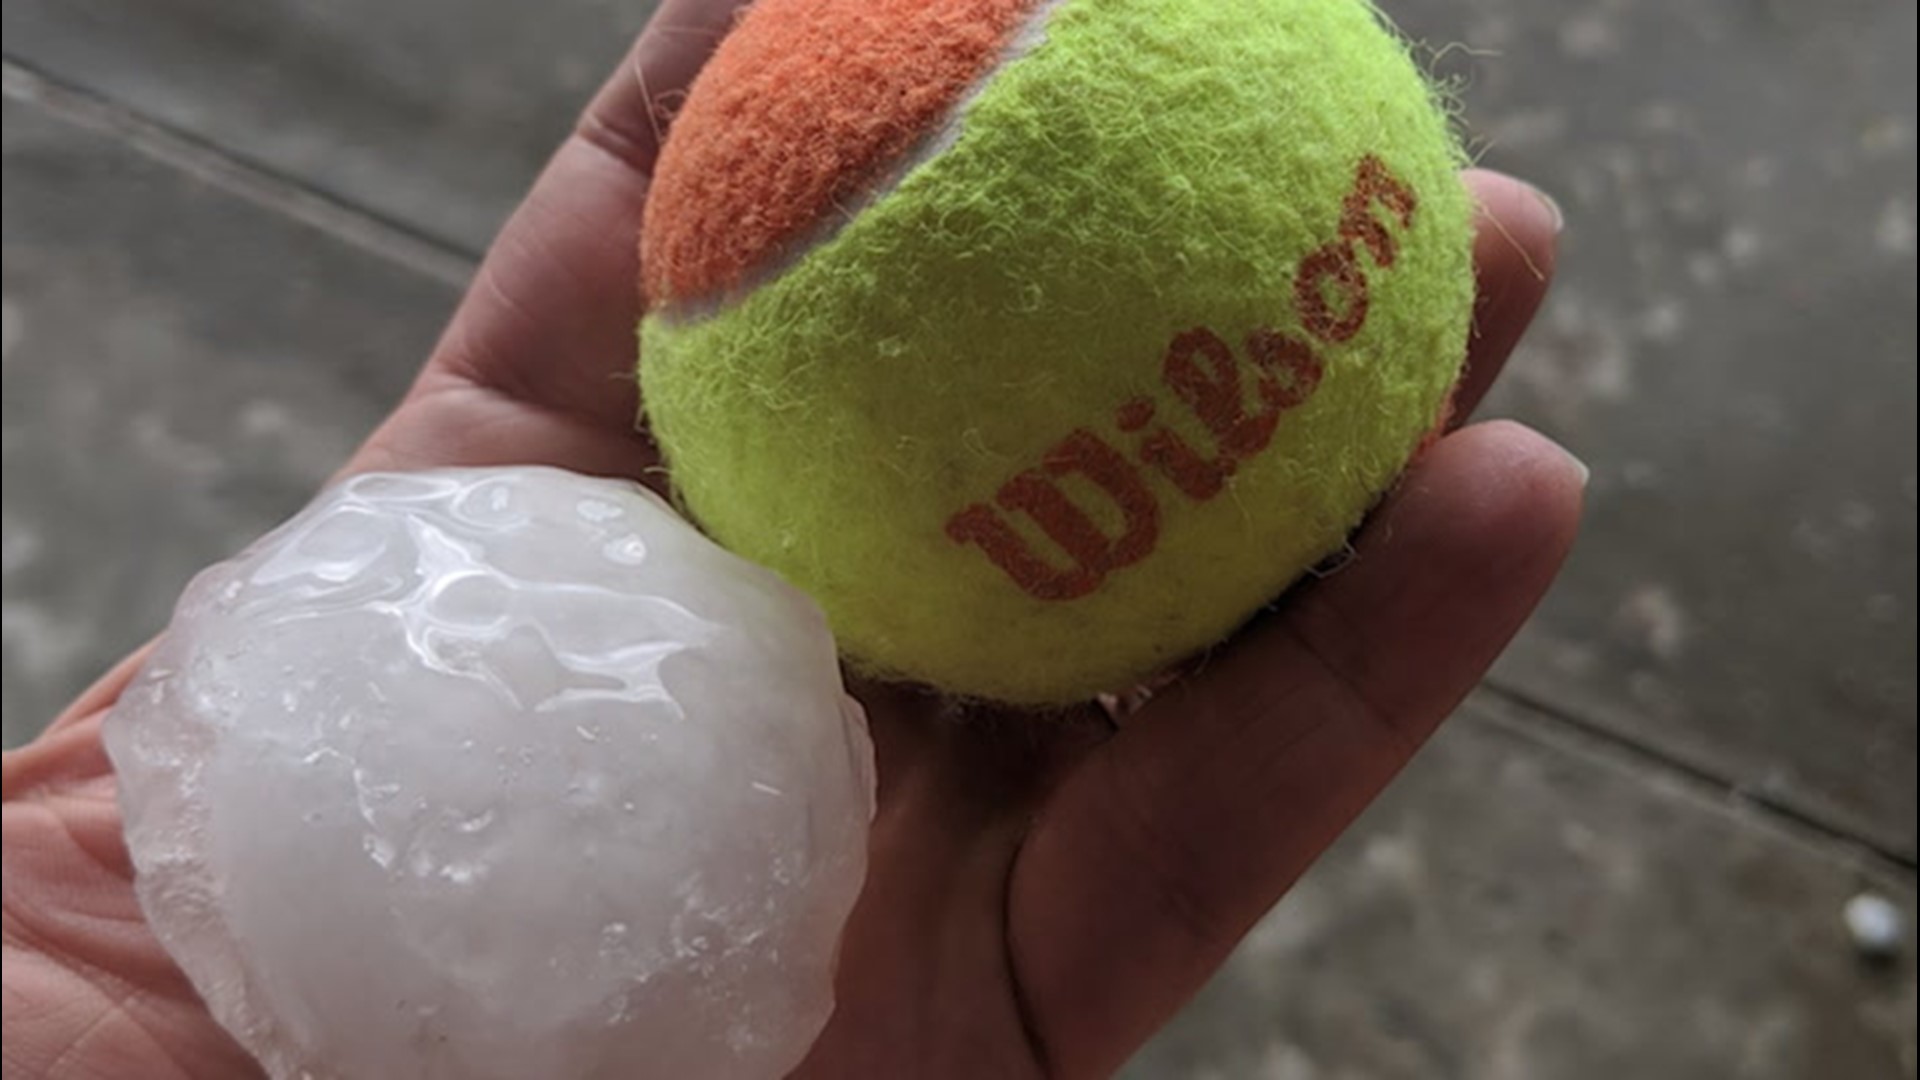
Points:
(498, 773)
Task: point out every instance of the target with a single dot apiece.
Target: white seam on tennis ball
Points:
(1028, 36)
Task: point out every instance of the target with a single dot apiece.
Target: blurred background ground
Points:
(232, 230)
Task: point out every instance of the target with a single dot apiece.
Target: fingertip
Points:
(1512, 449)
(1515, 249)
(1532, 219)
(1497, 486)
(1447, 569)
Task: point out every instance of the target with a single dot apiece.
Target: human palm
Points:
(1043, 892)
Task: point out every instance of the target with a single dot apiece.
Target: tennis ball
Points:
(1045, 343)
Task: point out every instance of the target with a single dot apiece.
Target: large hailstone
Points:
(498, 773)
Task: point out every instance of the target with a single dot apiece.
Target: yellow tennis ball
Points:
(1044, 343)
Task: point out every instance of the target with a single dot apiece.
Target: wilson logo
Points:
(1203, 374)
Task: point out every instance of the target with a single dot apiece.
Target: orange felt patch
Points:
(805, 104)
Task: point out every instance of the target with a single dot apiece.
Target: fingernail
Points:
(1579, 466)
(1558, 216)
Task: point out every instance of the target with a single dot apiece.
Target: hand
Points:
(1043, 895)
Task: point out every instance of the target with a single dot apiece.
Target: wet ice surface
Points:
(498, 773)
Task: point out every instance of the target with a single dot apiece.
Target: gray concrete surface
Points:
(183, 369)
(433, 115)
(230, 232)
(1526, 906)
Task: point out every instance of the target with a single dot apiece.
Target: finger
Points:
(1158, 854)
(1513, 260)
(549, 319)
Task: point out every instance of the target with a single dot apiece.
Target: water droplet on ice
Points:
(598, 510)
(627, 551)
